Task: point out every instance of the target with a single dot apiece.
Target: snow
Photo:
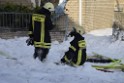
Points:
(18, 66)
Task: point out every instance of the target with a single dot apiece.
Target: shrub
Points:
(9, 7)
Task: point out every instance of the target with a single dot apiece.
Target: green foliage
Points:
(9, 7)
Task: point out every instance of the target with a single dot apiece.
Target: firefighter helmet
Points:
(49, 6)
(72, 32)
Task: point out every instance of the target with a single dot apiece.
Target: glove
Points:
(30, 41)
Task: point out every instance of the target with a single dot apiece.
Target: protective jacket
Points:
(39, 30)
(76, 55)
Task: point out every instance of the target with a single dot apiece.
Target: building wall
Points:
(72, 9)
(96, 14)
(119, 1)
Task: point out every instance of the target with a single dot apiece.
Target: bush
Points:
(9, 7)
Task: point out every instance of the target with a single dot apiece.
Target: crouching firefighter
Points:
(76, 55)
(39, 35)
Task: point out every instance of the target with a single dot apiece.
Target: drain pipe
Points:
(80, 12)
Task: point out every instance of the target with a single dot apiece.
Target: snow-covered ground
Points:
(18, 66)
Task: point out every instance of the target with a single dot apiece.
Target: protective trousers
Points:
(41, 53)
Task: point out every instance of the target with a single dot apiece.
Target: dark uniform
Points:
(39, 30)
(76, 55)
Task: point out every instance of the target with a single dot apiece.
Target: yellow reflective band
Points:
(66, 59)
(79, 57)
(82, 44)
(42, 32)
(33, 24)
(39, 18)
(41, 46)
(42, 43)
(73, 64)
(73, 48)
(30, 32)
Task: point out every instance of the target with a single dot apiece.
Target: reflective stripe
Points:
(42, 32)
(66, 59)
(73, 48)
(79, 57)
(33, 24)
(82, 43)
(40, 18)
(42, 44)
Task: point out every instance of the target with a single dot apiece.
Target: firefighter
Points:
(39, 35)
(76, 55)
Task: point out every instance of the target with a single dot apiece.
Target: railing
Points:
(21, 21)
(14, 21)
(11, 22)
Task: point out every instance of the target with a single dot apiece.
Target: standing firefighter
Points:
(39, 31)
(76, 55)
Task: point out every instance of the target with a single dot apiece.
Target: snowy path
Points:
(18, 66)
